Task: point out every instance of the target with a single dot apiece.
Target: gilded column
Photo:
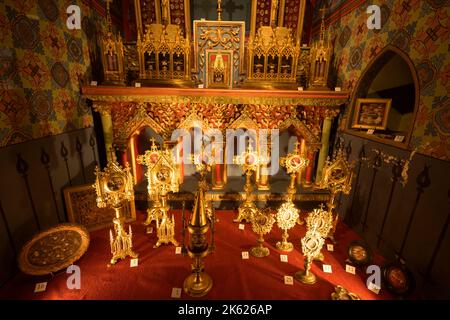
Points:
(301, 173)
(107, 125)
(326, 130)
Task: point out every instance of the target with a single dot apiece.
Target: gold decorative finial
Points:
(219, 10)
(108, 15)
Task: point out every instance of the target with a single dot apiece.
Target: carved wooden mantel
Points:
(233, 96)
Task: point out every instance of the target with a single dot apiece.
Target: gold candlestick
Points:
(250, 162)
(262, 223)
(198, 283)
(114, 187)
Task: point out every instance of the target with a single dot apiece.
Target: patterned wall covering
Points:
(419, 28)
(42, 63)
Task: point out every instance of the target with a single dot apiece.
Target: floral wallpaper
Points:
(42, 65)
(419, 28)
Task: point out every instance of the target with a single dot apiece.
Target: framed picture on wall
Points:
(81, 205)
(371, 113)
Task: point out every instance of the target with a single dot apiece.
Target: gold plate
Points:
(54, 249)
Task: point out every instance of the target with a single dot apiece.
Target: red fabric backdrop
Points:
(160, 270)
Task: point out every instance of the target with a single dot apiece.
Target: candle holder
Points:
(249, 160)
(262, 223)
(114, 187)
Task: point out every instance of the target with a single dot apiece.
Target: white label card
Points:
(374, 288)
(337, 89)
(370, 131)
(288, 280)
(300, 88)
(137, 84)
(399, 138)
(176, 293)
(330, 247)
(134, 263)
(149, 230)
(350, 269)
(327, 268)
(93, 83)
(241, 226)
(245, 255)
(200, 86)
(283, 258)
(40, 287)
(178, 250)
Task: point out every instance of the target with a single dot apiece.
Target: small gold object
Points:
(114, 187)
(262, 223)
(340, 293)
(199, 283)
(288, 214)
(250, 162)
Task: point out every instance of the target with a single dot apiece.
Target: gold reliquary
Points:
(112, 54)
(272, 58)
(164, 55)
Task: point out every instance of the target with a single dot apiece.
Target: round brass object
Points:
(54, 249)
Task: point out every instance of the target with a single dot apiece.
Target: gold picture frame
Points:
(371, 113)
(81, 206)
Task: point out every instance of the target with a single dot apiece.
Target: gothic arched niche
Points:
(390, 75)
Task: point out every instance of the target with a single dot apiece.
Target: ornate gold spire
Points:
(199, 218)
